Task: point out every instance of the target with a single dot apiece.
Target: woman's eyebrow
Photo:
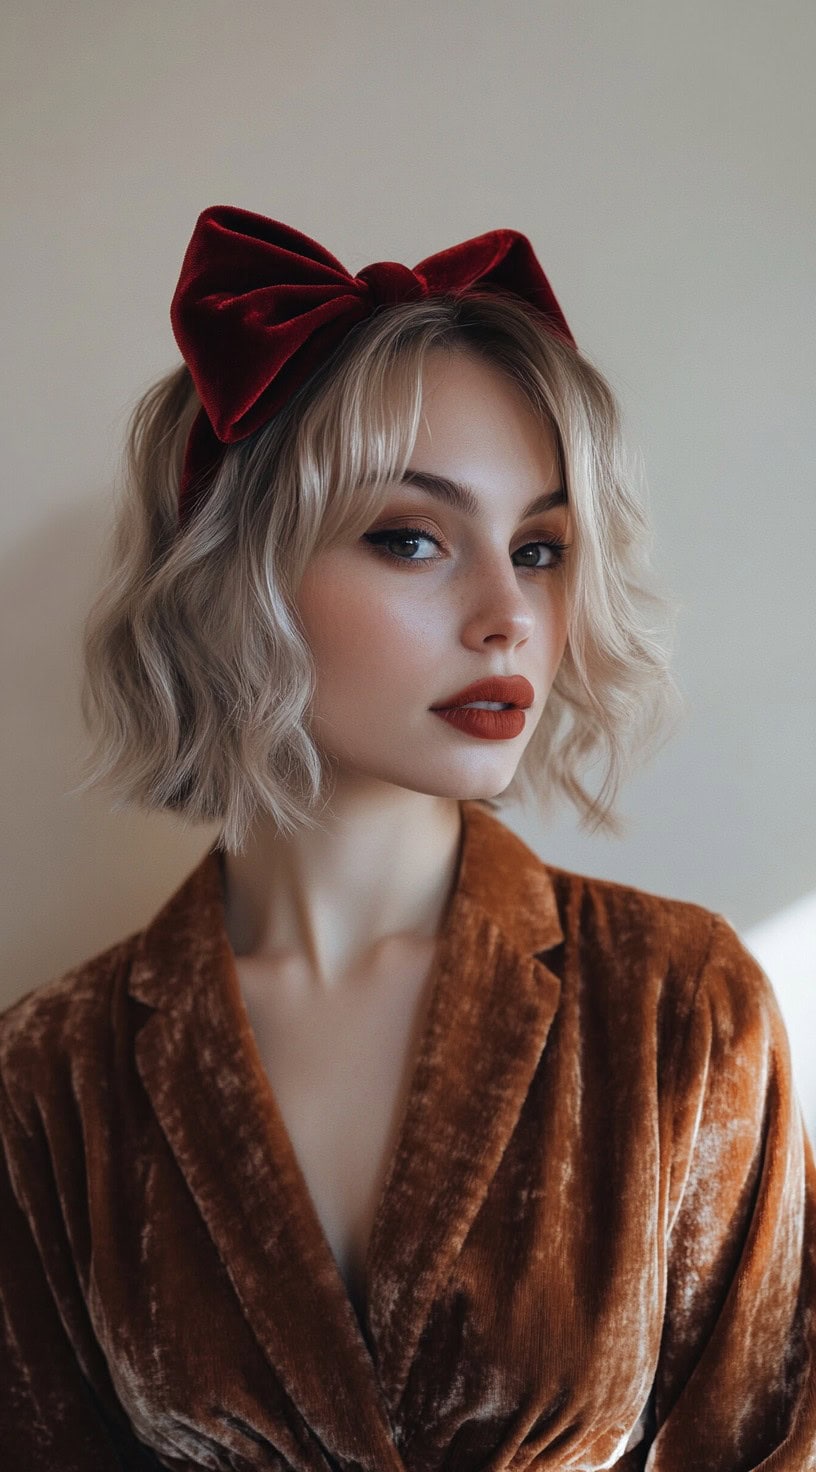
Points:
(464, 498)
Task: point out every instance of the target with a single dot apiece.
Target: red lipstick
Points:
(509, 690)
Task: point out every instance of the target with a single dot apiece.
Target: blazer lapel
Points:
(492, 1001)
(490, 1011)
(200, 1066)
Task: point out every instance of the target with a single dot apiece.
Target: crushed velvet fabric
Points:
(595, 1245)
(274, 304)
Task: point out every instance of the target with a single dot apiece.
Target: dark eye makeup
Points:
(380, 540)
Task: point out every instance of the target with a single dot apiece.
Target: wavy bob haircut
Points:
(197, 675)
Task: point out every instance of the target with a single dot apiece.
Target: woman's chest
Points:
(515, 1278)
(339, 1062)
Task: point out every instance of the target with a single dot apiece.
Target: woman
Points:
(386, 1144)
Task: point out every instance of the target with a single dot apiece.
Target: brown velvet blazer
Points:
(597, 1230)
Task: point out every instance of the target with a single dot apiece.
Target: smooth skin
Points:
(333, 930)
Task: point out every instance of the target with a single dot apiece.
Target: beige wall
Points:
(659, 156)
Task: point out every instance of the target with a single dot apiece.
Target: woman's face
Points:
(396, 625)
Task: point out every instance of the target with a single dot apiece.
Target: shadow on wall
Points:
(785, 947)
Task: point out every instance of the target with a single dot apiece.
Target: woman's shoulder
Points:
(624, 914)
(62, 1016)
(692, 950)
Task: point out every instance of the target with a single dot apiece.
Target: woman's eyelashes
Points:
(380, 540)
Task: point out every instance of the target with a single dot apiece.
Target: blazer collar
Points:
(502, 877)
(492, 1001)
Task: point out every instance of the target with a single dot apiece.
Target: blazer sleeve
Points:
(735, 1386)
(57, 1405)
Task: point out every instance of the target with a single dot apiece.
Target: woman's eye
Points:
(412, 534)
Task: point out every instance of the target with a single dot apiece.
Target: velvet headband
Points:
(259, 306)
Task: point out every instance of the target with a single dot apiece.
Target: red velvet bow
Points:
(259, 306)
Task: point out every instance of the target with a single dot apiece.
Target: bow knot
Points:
(389, 282)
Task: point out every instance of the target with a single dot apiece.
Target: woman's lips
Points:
(507, 689)
(495, 725)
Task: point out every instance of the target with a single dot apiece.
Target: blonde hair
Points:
(197, 675)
